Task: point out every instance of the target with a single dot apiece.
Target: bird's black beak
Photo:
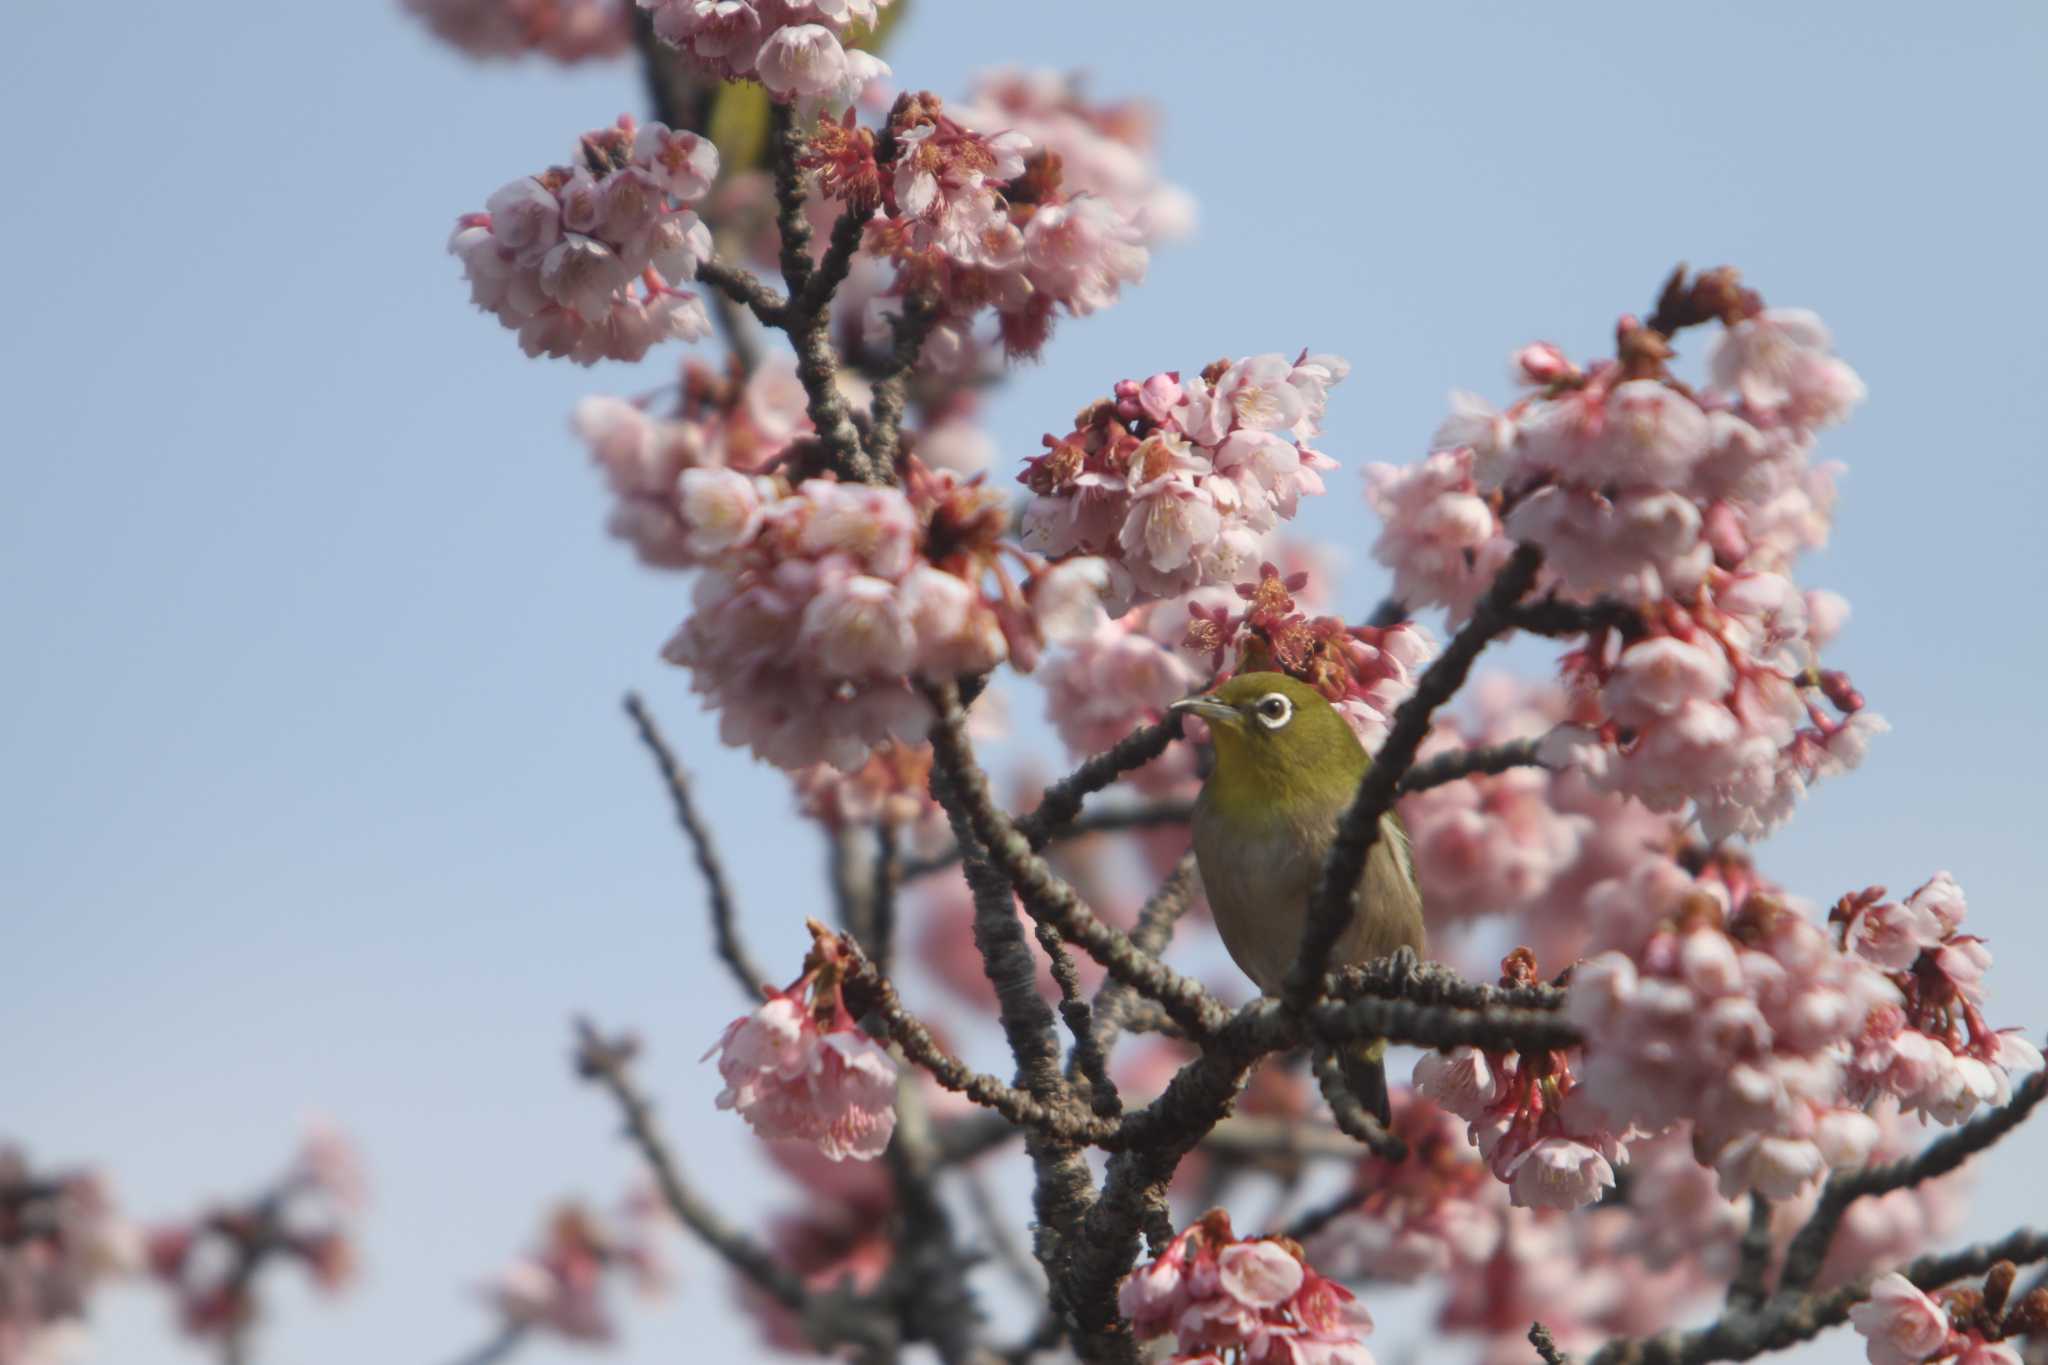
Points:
(1209, 709)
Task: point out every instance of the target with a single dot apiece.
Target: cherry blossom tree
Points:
(1665, 1112)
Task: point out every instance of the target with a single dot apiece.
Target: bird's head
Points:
(1278, 742)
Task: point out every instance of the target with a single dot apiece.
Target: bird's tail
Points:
(1365, 1076)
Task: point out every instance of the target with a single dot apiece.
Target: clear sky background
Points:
(315, 791)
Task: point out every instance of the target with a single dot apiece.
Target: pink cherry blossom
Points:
(794, 48)
(1932, 1048)
(1177, 481)
(583, 262)
(1105, 150)
(800, 1068)
(566, 30)
(1900, 1325)
(560, 1287)
(1259, 1299)
(1724, 1006)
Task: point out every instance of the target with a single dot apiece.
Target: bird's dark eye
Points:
(1274, 710)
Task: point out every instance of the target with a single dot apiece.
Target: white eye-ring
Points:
(1274, 710)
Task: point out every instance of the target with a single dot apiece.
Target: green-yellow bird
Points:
(1287, 767)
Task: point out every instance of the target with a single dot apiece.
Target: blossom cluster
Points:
(209, 1263)
(583, 261)
(799, 1066)
(566, 30)
(1177, 484)
(1529, 1115)
(1687, 506)
(824, 600)
(1930, 1047)
(559, 1287)
(1259, 1298)
(657, 466)
(798, 49)
(61, 1238)
(891, 789)
(971, 219)
(1528, 843)
(1901, 1325)
(1105, 150)
(1722, 1005)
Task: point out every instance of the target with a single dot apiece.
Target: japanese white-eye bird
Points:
(1287, 767)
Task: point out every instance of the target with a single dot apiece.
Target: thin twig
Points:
(1046, 896)
(1116, 1004)
(1062, 800)
(1458, 763)
(1546, 1348)
(499, 1347)
(1110, 821)
(1353, 1120)
(868, 991)
(1313, 1220)
(606, 1062)
(724, 913)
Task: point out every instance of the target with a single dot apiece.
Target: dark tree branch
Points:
(724, 913)
(1062, 800)
(892, 387)
(741, 286)
(1331, 907)
(1753, 1263)
(1809, 1248)
(1063, 1188)
(1116, 1004)
(1046, 896)
(1459, 763)
(1351, 1116)
(606, 1062)
(868, 991)
(1546, 1349)
(1313, 1220)
(1113, 820)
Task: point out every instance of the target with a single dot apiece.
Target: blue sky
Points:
(318, 794)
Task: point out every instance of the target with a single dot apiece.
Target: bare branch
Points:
(868, 991)
(1351, 1116)
(1116, 1004)
(1113, 820)
(724, 914)
(1539, 1337)
(1046, 896)
(737, 284)
(1062, 800)
(892, 388)
(1459, 763)
(606, 1062)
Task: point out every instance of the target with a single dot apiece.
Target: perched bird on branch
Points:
(1287, 767)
